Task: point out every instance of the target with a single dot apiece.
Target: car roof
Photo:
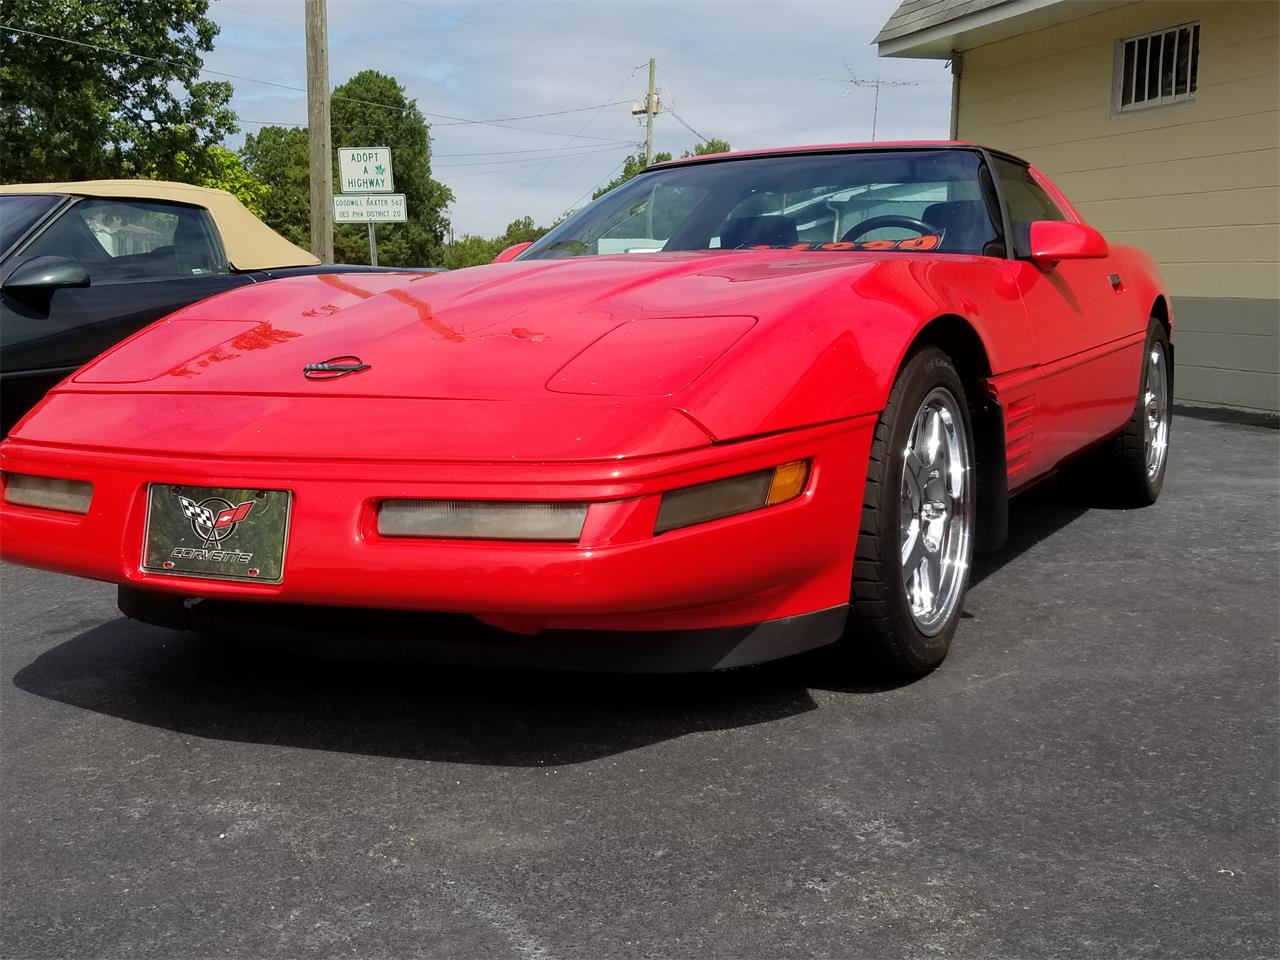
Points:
(833, 148)
(250, 244)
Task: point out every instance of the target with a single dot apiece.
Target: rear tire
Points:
(1132, 468)
(915, 543)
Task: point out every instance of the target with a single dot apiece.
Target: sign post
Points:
(364, 175)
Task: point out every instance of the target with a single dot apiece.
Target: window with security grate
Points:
(1158, 68)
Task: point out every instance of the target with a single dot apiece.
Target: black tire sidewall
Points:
(926, 370)
(1155, 334)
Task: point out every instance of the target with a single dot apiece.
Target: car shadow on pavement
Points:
(1035, 516)
(251, 691)
(232, 691)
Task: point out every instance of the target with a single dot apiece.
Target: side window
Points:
(133, 241)
(1027, 201)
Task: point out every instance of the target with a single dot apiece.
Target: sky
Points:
(756, 74)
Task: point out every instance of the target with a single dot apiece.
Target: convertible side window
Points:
(133, 241)
(1027, 201)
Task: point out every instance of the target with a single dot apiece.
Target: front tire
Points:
(915, 543)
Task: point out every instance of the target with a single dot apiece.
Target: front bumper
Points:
(350, 633)
(783, 561)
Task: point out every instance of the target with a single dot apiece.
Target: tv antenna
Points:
(875, 83)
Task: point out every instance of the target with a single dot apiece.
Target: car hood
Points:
(594, 358)
(500, 332)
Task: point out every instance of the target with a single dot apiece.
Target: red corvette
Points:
(739, 407)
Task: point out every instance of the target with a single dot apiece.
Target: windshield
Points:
(19, 212)
(911, 200)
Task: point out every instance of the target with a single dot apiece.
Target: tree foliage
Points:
(279, 158)
(714, 145)
(635, 163)
(630, 167)
(472, 250)
(130, 102)
(220, 168)
(371, 110)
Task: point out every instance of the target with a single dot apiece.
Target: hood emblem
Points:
(333, 368)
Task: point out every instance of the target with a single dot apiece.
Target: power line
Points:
(271, 123)
(579, 135)
(503, 33)
(165, 60)
(296, 89)
(495, 153)
(605, 179)
(581, 152)
(686, 126)
(448, 177)
(515, 155)
(540, 81)
(569, 173)
(262, 16)
(531, 116)
(684, 123)
(556, 133)
(201, 69)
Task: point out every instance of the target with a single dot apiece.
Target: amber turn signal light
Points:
(788, 482)
(732, 496)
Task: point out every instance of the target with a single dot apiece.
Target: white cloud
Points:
(754, 73)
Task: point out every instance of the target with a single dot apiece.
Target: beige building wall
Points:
(1197, 184)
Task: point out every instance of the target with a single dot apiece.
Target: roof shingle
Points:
(913, 16)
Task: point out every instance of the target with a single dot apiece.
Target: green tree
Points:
(714, 145)
(279, 158)
(635, 163)
(472, 250)
(371, 110)
(220, 168)
(130, 101)
(631, 166)
(520, 231)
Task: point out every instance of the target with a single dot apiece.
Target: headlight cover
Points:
(481, 520)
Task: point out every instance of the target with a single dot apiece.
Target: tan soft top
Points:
(250, 243)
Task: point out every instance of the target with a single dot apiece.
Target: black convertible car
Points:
(83, 265)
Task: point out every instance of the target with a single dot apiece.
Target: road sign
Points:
(370, 208)
(365, 170)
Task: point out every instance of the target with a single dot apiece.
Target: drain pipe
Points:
(956, 62)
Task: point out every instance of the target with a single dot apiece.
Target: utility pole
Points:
(650, 108)
(318, 132)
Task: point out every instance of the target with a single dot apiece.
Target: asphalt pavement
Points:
(1094, 772)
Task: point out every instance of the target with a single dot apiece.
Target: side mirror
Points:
(1054, 240)
(41, 276)
(513, 251)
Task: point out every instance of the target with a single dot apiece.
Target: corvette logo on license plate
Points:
(225, 533)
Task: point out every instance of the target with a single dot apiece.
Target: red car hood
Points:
(500, 332)
(226, 375)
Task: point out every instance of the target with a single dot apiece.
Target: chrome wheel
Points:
(936, 511)
(1155, 405)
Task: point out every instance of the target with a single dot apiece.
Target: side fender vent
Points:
(1019, 426)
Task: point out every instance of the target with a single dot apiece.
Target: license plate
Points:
(226, 533)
